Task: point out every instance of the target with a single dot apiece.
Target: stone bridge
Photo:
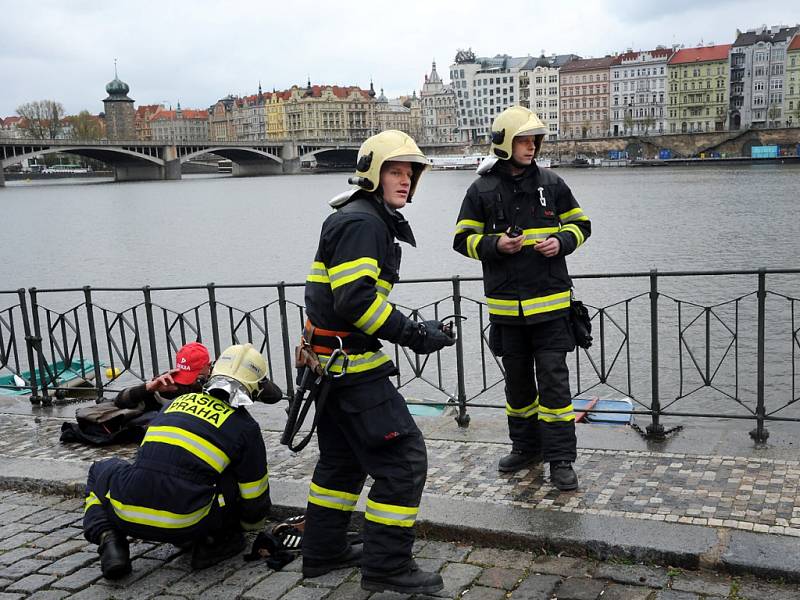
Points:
(682, 145)
(136, 160)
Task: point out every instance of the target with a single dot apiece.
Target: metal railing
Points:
(732, 358)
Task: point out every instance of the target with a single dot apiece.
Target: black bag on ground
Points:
(581, 323)
(104, 424)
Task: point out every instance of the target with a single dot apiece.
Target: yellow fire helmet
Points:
(512, 122)
(389, 145)
(237, 372)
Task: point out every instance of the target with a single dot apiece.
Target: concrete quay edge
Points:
(511, 527)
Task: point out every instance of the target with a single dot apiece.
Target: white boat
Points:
(455, 162)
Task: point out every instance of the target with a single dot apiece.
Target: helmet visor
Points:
(236, 394)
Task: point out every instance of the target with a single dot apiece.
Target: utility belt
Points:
(328, 341)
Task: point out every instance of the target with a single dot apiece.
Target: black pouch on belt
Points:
(581, 323)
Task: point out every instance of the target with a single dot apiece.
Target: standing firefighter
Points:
(200, 475)
(521, 221)
(364, 427)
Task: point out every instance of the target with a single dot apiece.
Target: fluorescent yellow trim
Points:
(192, 443)
(151, 517)
(91, 500)
(254, 489)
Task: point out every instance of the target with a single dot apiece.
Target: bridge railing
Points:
(733, 354)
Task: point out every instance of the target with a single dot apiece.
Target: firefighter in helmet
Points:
(365, 427)
(521, 221)
(200, 475)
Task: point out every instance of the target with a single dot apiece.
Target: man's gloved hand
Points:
(426, 337)
(267, 392)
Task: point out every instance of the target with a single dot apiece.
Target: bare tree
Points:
(41, 119)
(85, 126)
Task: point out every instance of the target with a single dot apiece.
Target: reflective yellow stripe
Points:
(344, 501)
(350, 271)
(556, 414)
(472, 245)
(383, 286)
(534, 236)
(91, 500)
(319, 273)
(576, 231)
(163, 519)
(541, 304)
(576, 214)
(525, 412)
(497, 306)
(254, 489)
(192, 443)
(358, 362)
(375, 315)
(469, 225)
(391, 514)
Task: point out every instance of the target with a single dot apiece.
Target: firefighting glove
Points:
(426, 337)
(267, 392)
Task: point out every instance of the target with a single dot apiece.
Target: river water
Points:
(264, 230)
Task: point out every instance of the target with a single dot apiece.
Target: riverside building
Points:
(538, 89)
(638, 92)
(484, 88)
(584, 92)
(697, 95)
(757, 77)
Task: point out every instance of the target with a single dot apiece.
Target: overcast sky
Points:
(197, 52)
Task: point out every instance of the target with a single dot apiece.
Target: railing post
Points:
(655, 431)
(463, 418)
(29, 344)
(36, 340)
(151, 329)
(760, 433)
(287, 361)
(87, 294)
(212, 306)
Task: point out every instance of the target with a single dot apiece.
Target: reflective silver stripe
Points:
(203, 449)
(351, 273)
(331, 498)
(378, 313)
(357, 363)
(388, 514)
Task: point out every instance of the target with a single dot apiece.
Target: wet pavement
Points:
(696, 517)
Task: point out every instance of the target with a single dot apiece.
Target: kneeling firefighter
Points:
(364, 427)
(200, 476)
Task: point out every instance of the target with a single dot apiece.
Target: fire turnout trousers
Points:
(540, 417)
(99, 515)
(366, 429)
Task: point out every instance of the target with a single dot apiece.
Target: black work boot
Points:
(518, 459)
(563, 476)
(412, 581)
(215, 549)
(115, 557)
(351, 558)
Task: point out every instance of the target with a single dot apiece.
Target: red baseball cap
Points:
(190, 361)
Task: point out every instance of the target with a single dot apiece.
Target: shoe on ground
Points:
(412, 581)
(518, 459)
(316, 568)
(563, 476)
(214, 549)
(115, 557)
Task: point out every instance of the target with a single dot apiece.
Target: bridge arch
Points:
(338, 156)
(109, 156)
(236, 155)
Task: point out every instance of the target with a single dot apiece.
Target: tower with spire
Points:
(119, 111)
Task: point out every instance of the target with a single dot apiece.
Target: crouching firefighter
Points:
(365, 427)
(200, 475)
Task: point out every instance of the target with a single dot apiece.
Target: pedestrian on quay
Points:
(200, 476)
(365, 427)
(521, 221)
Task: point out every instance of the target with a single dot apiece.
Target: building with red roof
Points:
(179, 125)
(697, 98)
(583, 91)
(791, 100)
(638, 91)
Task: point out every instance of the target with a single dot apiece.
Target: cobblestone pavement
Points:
(43, 556)
(745, 493)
